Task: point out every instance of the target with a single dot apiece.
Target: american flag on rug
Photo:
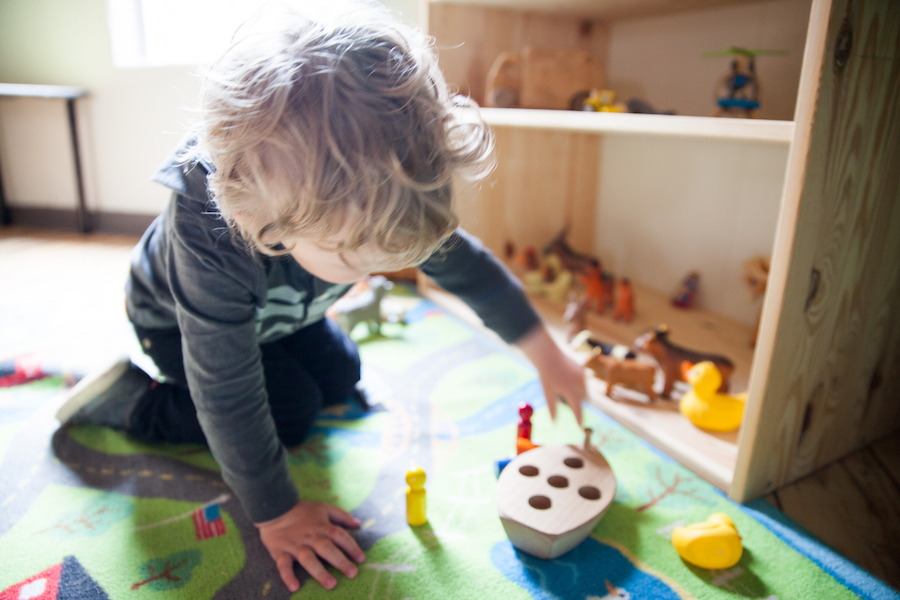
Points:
(208, 522)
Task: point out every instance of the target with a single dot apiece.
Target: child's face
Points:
(325, 261)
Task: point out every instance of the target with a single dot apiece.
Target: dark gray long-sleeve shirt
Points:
(192, 272)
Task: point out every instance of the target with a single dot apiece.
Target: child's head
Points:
(338, 128)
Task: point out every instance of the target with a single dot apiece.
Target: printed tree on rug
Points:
(168, 573)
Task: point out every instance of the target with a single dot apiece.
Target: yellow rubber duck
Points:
(705, 406)
(713, 544)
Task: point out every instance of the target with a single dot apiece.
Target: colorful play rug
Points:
(88, 514)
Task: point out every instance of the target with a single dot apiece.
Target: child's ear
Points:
(239, 218)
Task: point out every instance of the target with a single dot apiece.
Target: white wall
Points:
(659, 59)
(667, 206)
(128, 124)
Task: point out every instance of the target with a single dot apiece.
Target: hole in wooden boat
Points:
(529, 471)
(589, 492)
(574, 462)
(558, 481)
(539, 502)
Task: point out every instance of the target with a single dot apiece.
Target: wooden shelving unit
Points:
(824, 377)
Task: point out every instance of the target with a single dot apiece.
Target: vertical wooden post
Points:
(826, 374)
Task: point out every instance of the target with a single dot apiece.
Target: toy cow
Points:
(364, 307)
(628, 373)
(671, 357)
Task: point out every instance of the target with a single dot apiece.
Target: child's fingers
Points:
(340, 516)
(347, 544)
(551, 403)
(575, 405)
(308, 560)
(285, 564)
(326, 550)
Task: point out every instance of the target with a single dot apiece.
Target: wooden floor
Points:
(852, 505)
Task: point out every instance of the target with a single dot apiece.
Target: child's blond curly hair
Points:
(338, 124)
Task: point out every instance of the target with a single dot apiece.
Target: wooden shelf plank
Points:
(779, 132)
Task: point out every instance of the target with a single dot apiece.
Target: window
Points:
(152, 33)
(155, 33)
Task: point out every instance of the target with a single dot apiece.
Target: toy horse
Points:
(670, 357)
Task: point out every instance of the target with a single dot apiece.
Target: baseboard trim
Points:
(67, 220)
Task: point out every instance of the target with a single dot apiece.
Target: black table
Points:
(69, 94)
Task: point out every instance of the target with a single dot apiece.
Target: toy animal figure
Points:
(670, 356)
(364, 307)
(571, 260)
(704, 406)
(509, 250)
(713, 544)
(609, 284)
(528, 259)
(575, 316)
(594, 288)
(624, 301)
(583, 342)
(552, 281)
(628, 373)
(756, 278)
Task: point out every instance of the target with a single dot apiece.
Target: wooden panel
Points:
(853, 506)
(827, 369)
(469, 38)
(544, 181)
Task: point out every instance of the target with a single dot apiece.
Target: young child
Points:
(325, 153)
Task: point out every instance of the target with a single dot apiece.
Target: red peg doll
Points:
(525, 412)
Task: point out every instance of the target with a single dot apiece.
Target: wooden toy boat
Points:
(551, 498)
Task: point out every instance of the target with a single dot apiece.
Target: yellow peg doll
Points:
(415, 497)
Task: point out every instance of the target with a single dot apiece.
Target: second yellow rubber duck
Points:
(705, 406)
(713, 544)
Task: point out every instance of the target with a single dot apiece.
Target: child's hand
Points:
(308, 532)
(561, 376)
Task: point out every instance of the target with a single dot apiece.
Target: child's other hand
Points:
(561, 376)
(308, 532)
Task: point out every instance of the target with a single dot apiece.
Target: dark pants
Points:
(315, 367)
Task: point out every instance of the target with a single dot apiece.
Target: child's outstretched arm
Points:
(465, 268)
(309, 533)
(561, 377)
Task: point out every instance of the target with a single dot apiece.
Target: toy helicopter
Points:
(737, 93)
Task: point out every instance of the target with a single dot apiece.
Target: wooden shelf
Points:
(778, 132)
(601, 9)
